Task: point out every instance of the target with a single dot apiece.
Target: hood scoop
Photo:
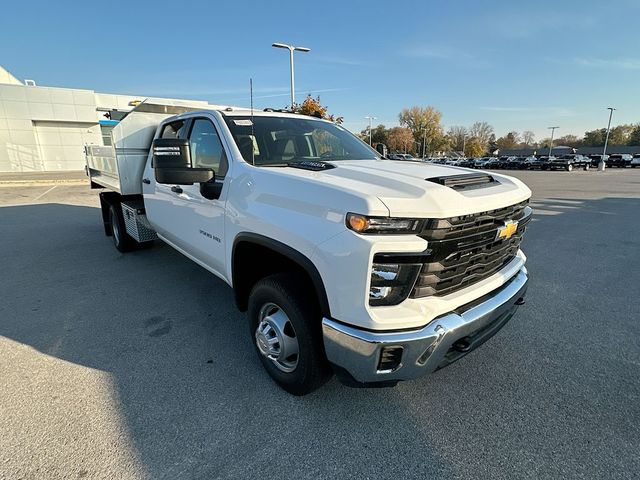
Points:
(467, 181)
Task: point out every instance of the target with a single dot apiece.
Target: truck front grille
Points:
(466, 249)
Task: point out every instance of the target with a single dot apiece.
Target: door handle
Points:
(146, 180)
(176, 189)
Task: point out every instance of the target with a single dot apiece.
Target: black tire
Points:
(291, 293)
(121, 239)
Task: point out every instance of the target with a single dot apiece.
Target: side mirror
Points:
(171, 163)
(382, 149)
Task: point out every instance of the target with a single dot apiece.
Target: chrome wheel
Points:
(276, 338)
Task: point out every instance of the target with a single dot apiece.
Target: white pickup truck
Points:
(347, 263)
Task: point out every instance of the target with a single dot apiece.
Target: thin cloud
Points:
(206, 91)
(434, 51)
(341, 61)
(546, 111)
(446, 53)
(526, 22)
(287, 94)
(618, 63)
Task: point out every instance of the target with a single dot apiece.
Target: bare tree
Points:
(482, 131)
(528, 137)
(457, 134)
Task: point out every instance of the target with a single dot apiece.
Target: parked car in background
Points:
(533, 163)
(516, 163)
(635, 161)
(466, 162)
(481, 162)
(582, 161)
(475, 161)
(502, 162)
(491, 163)
(619, 160)
(545, 161)
(569, 162)
(596, 159)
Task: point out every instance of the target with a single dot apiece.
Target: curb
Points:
(27, 183)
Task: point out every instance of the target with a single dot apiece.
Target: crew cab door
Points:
(180, 213)
(205, 216)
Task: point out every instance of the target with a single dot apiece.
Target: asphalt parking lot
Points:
(139, 366)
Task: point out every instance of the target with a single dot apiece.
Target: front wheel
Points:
(569, 167)
(286, 330)
(586, 168)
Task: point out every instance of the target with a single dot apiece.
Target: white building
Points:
(46, 128)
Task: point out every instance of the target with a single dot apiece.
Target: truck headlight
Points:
(382, 225)
(391, 283)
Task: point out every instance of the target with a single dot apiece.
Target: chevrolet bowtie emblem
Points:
(508, 230)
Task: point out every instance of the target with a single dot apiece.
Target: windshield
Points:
(282, 140)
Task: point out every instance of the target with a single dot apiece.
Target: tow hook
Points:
(520, 301)
(462, 345)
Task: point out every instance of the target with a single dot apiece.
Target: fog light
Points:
(390, 359)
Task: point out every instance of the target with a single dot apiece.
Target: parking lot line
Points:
(43, 194)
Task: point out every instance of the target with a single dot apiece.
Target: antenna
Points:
(253, 158)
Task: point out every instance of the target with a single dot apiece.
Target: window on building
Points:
(105, 130)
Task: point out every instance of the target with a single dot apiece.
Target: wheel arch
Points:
(268, 250)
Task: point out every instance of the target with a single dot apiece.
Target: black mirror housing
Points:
(171, 153)
(382, 149)
(172, 163)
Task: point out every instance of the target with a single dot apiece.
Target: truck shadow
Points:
(197, 404)
(189, 387)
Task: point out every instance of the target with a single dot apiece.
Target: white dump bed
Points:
(119, 167)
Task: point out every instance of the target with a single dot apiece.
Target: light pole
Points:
(601, 165)
(291, 49)
(553, 129)
(370, 120)
(464, 143)
(424, 143)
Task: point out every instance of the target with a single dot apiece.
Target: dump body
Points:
(119, 166)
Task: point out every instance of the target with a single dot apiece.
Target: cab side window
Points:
(173, 130)
(206, 147)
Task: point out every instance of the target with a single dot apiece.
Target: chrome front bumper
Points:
(356, 353)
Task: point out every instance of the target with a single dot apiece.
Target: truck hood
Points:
(405, 190)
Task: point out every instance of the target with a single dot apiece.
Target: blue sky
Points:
(517, 65)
